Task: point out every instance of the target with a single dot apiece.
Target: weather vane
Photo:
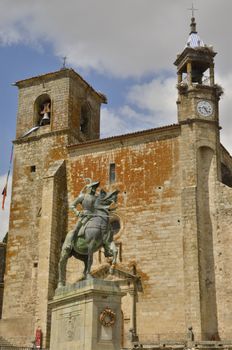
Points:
(193, 9)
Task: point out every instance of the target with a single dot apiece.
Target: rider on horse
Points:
(86, 198)
(92, 231)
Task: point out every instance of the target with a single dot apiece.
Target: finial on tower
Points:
(193, 24)
(64, 63)
(194, 40)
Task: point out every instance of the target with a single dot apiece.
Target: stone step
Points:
(201, 345)
(4, 343)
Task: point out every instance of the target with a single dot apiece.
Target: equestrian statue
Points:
(92, 231)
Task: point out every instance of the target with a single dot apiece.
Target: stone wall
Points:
(223, 259)
(199, 172)
(169, 192)
(33, 156)
(80, 97)
(52, 231)
(226, 165)
(39, 203)
(27, 211)
(17, 331)
(205, 201)
(174, 214)
(2, 272)
(148, 177)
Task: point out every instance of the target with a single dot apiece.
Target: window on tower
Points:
(206, 77)
(112, 174)
(33, 168)
(43, 110)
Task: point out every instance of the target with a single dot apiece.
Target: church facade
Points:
(173, 223)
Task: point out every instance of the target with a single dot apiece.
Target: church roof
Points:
(167, 130)
(194, 39)
(68, 72)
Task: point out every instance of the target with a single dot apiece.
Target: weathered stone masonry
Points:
(175, 207)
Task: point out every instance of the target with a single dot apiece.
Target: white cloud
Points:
(122, 120)
(158, 97)
(111, 123)
(4, 214)
(122, 38)
(147, 106)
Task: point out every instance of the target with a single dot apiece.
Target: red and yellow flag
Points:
(4, 192)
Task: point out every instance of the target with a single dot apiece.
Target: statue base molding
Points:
(87, 316)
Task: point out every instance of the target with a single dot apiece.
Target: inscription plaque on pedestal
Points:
(106, 333)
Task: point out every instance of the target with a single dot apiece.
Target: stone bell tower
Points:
(198, 95)
(198, 98)
(54, 111)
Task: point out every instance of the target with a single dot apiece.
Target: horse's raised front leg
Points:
(65, 255)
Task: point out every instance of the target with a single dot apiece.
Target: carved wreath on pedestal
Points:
(107, 317)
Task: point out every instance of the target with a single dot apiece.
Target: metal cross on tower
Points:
(193, 9)
(64, 62)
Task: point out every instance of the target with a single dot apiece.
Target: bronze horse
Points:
(97, 234)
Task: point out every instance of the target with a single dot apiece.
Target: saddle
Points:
(81, 232)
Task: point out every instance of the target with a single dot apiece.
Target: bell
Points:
(45, 120)
(196, 76)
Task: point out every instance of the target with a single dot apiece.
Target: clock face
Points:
(204, 108)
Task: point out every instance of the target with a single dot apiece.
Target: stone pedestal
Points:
(87, 316)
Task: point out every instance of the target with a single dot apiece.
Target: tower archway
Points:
(42, 110)
(85, 119)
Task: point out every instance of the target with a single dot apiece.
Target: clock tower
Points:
(197, 104)
(198, 94)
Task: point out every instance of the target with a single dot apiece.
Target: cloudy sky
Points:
(124, 48)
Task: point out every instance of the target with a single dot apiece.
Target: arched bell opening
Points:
(43, 110)
(85, 119)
